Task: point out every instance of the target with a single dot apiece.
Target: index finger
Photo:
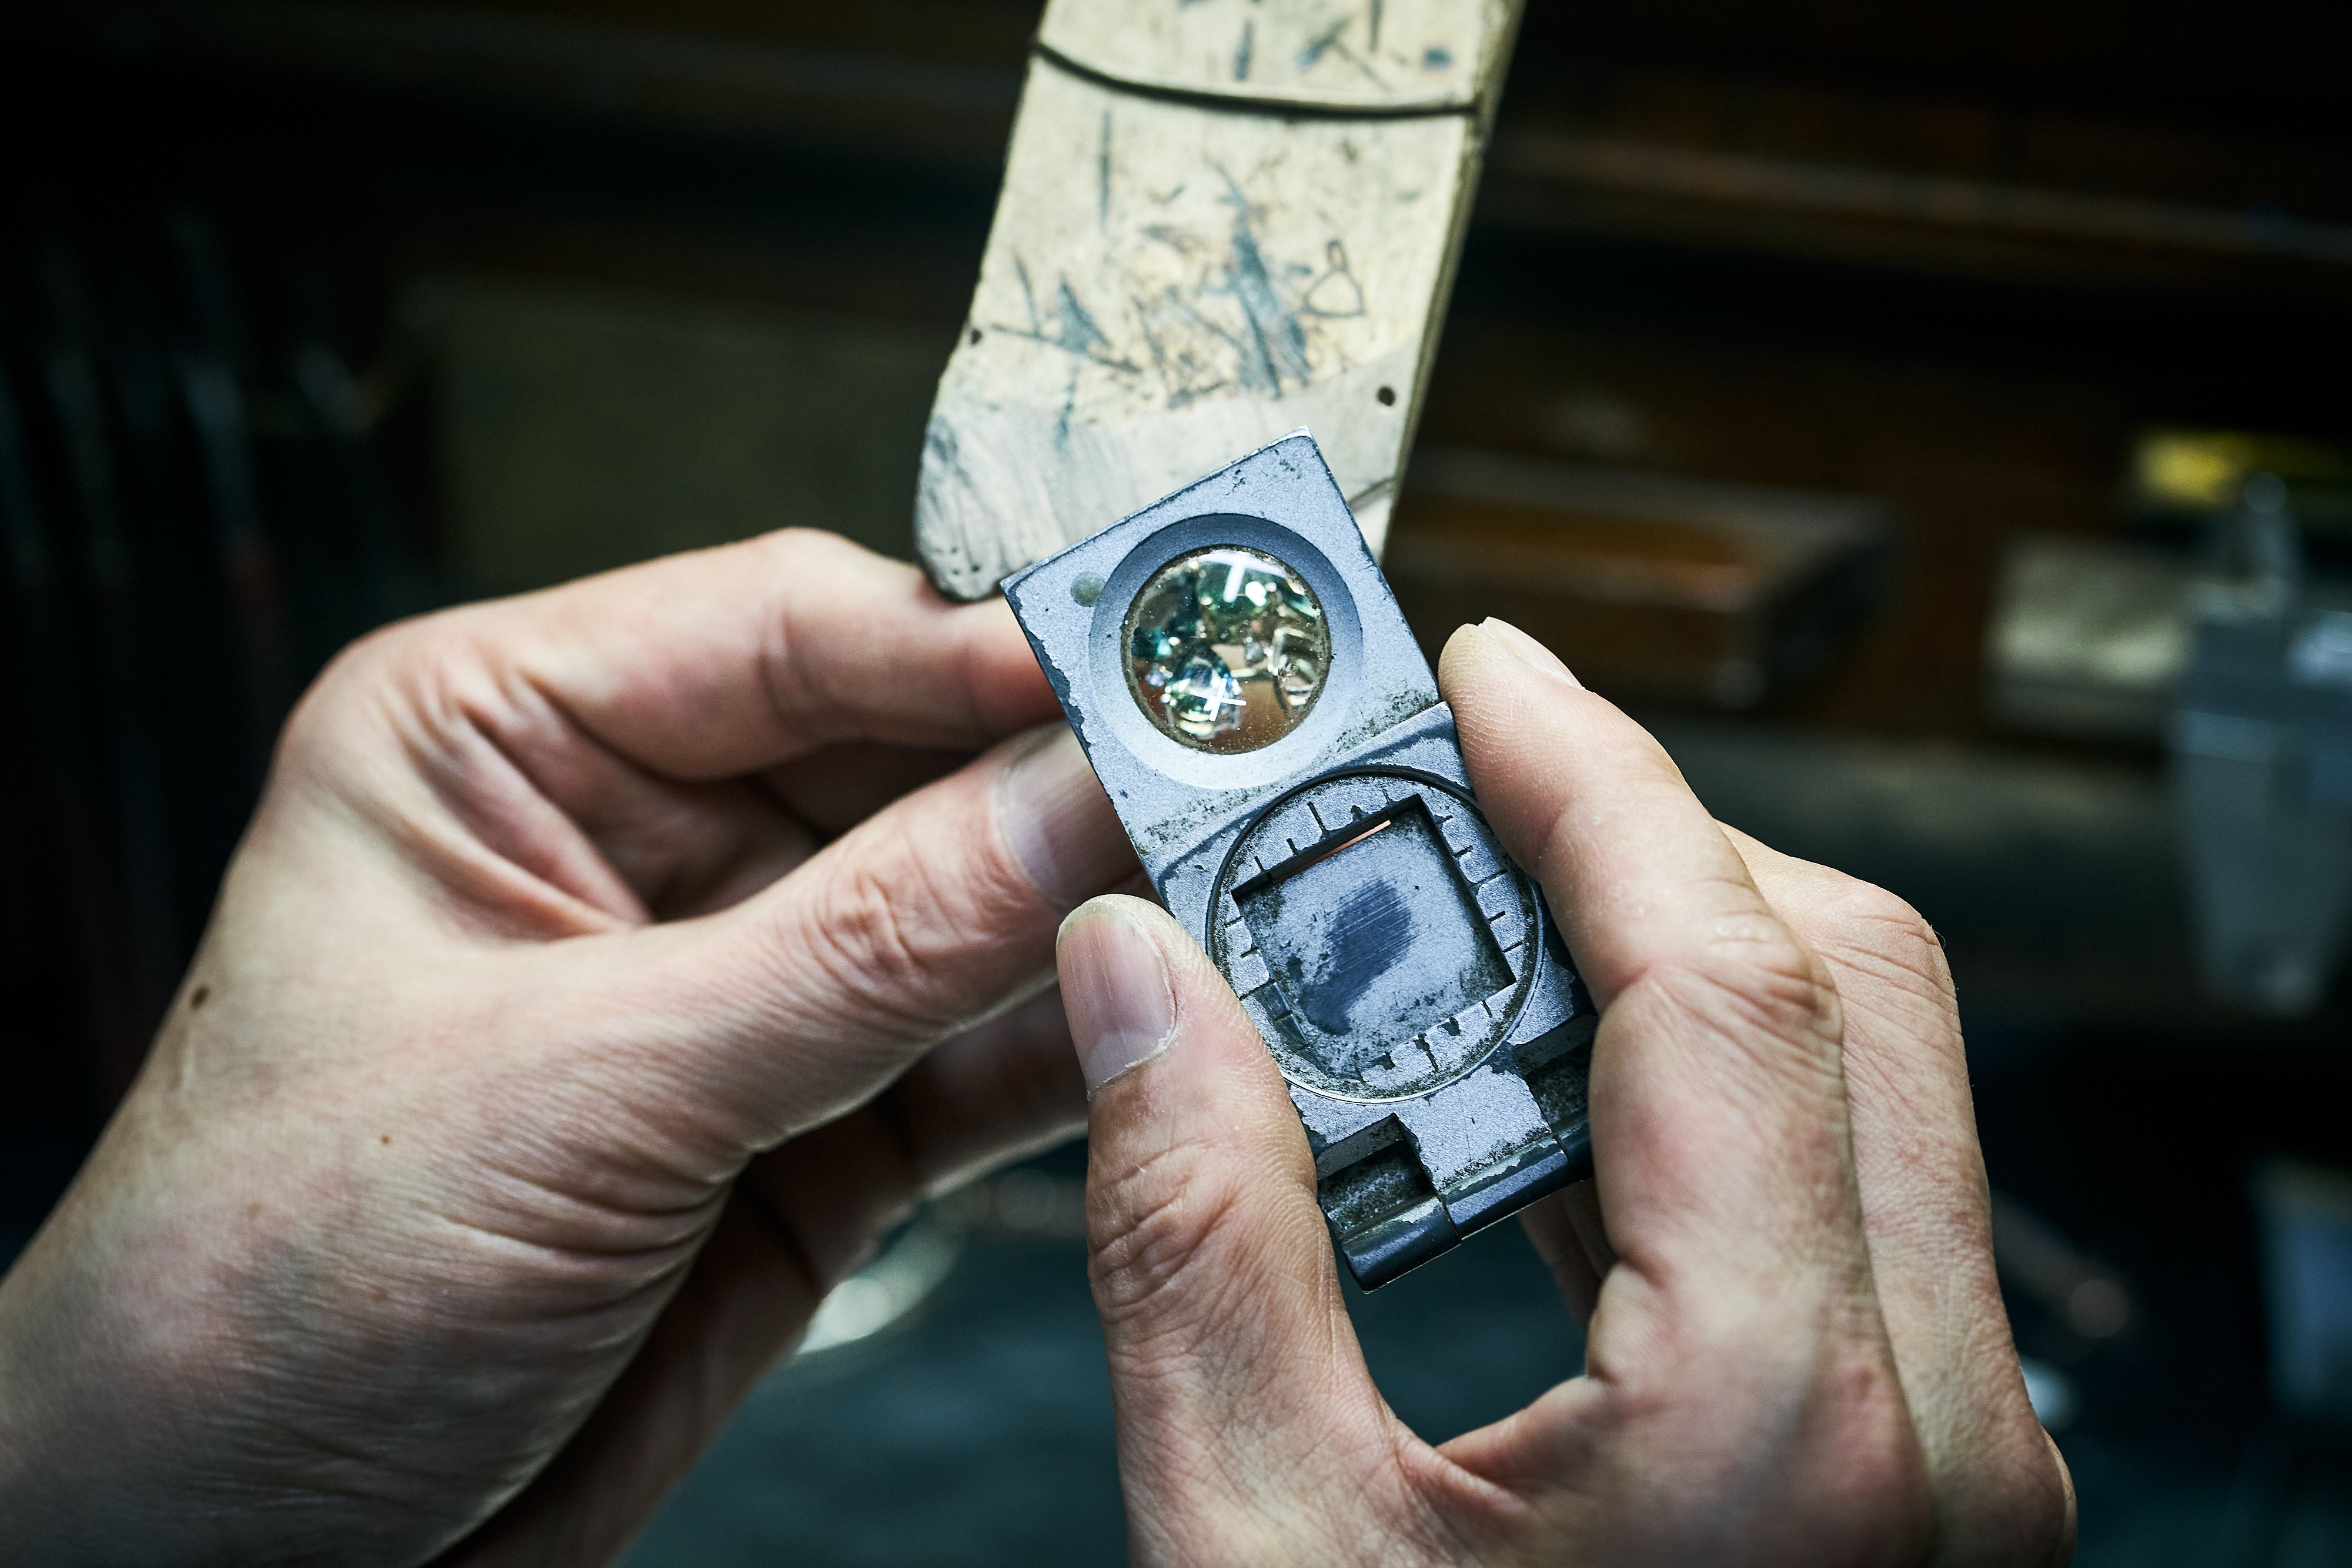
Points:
(723, 661)
(1719, 1133)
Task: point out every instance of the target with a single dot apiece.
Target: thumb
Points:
(1234, 1370)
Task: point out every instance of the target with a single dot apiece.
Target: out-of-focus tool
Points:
(2262, 750)
(2306, 1219)
(2238, 655)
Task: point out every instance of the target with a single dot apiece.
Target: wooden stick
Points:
(1220, 221)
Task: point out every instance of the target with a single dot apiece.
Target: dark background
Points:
(506, 292)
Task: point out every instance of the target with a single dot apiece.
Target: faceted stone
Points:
(1226, 649)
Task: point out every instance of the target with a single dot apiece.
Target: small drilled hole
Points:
(1387, 396)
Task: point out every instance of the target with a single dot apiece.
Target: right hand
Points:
(1796, 1351)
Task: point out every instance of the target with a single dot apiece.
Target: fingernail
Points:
(1534, 653)
(1115, 990)
(1059, 821)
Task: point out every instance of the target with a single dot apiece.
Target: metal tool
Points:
(2260, 736)
(1274, 741)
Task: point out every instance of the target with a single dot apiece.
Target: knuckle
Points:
(1871, 929)
(1753, 976)
(797, 559)
(1787, 1442)
(2022, 1513)
(1870, 914)
(915, 925)
(390, 667)
(798, 547)
(869, 945)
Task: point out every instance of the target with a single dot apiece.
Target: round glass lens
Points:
(1226, 649)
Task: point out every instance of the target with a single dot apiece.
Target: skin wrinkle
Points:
(570, 862)
(301, 1416)
(1916, 977)
(634, 801)
(470, 881)
(573, 858)
(1455, 1512)
(779, 670)
(863, 946)
(588, 1214)
(1143, 1247)
(1751, 1113)
(1797, 1013)
(420, 843)
(574, 722)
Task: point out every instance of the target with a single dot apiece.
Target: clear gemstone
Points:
(1226, 649)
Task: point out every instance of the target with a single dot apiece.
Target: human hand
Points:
(1796, 1352)
(604, 972)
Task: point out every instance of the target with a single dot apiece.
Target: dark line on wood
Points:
(1233, 104)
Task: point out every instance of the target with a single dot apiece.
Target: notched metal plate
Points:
(1402, 971)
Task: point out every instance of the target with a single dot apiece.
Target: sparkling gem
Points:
(1227, 649)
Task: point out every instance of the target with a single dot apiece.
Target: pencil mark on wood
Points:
(1102, 176)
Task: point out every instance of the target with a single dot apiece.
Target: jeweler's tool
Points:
(1272, 737)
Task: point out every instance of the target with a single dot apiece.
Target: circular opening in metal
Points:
(1226, 649)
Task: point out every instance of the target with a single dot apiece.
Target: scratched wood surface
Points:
(1183, 267)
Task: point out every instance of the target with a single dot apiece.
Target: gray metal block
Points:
(1405, 974)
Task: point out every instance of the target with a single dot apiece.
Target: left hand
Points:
(604, 972)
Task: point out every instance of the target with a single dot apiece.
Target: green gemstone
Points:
(1226, 649)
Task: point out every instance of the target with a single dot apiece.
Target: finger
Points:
(1567, 1233)
(2002, 1495)
(998, 1093)
(923, 920)
(724, 660)
(1737, 1326)
(835, 790)
(696, 849)
(1239, 1389)
(1719, 1112)
(972, 1105)
(685, 850)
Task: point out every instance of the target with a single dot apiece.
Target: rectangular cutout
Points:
(1374, 930)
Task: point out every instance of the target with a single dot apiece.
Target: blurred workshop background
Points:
(1935, 421)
